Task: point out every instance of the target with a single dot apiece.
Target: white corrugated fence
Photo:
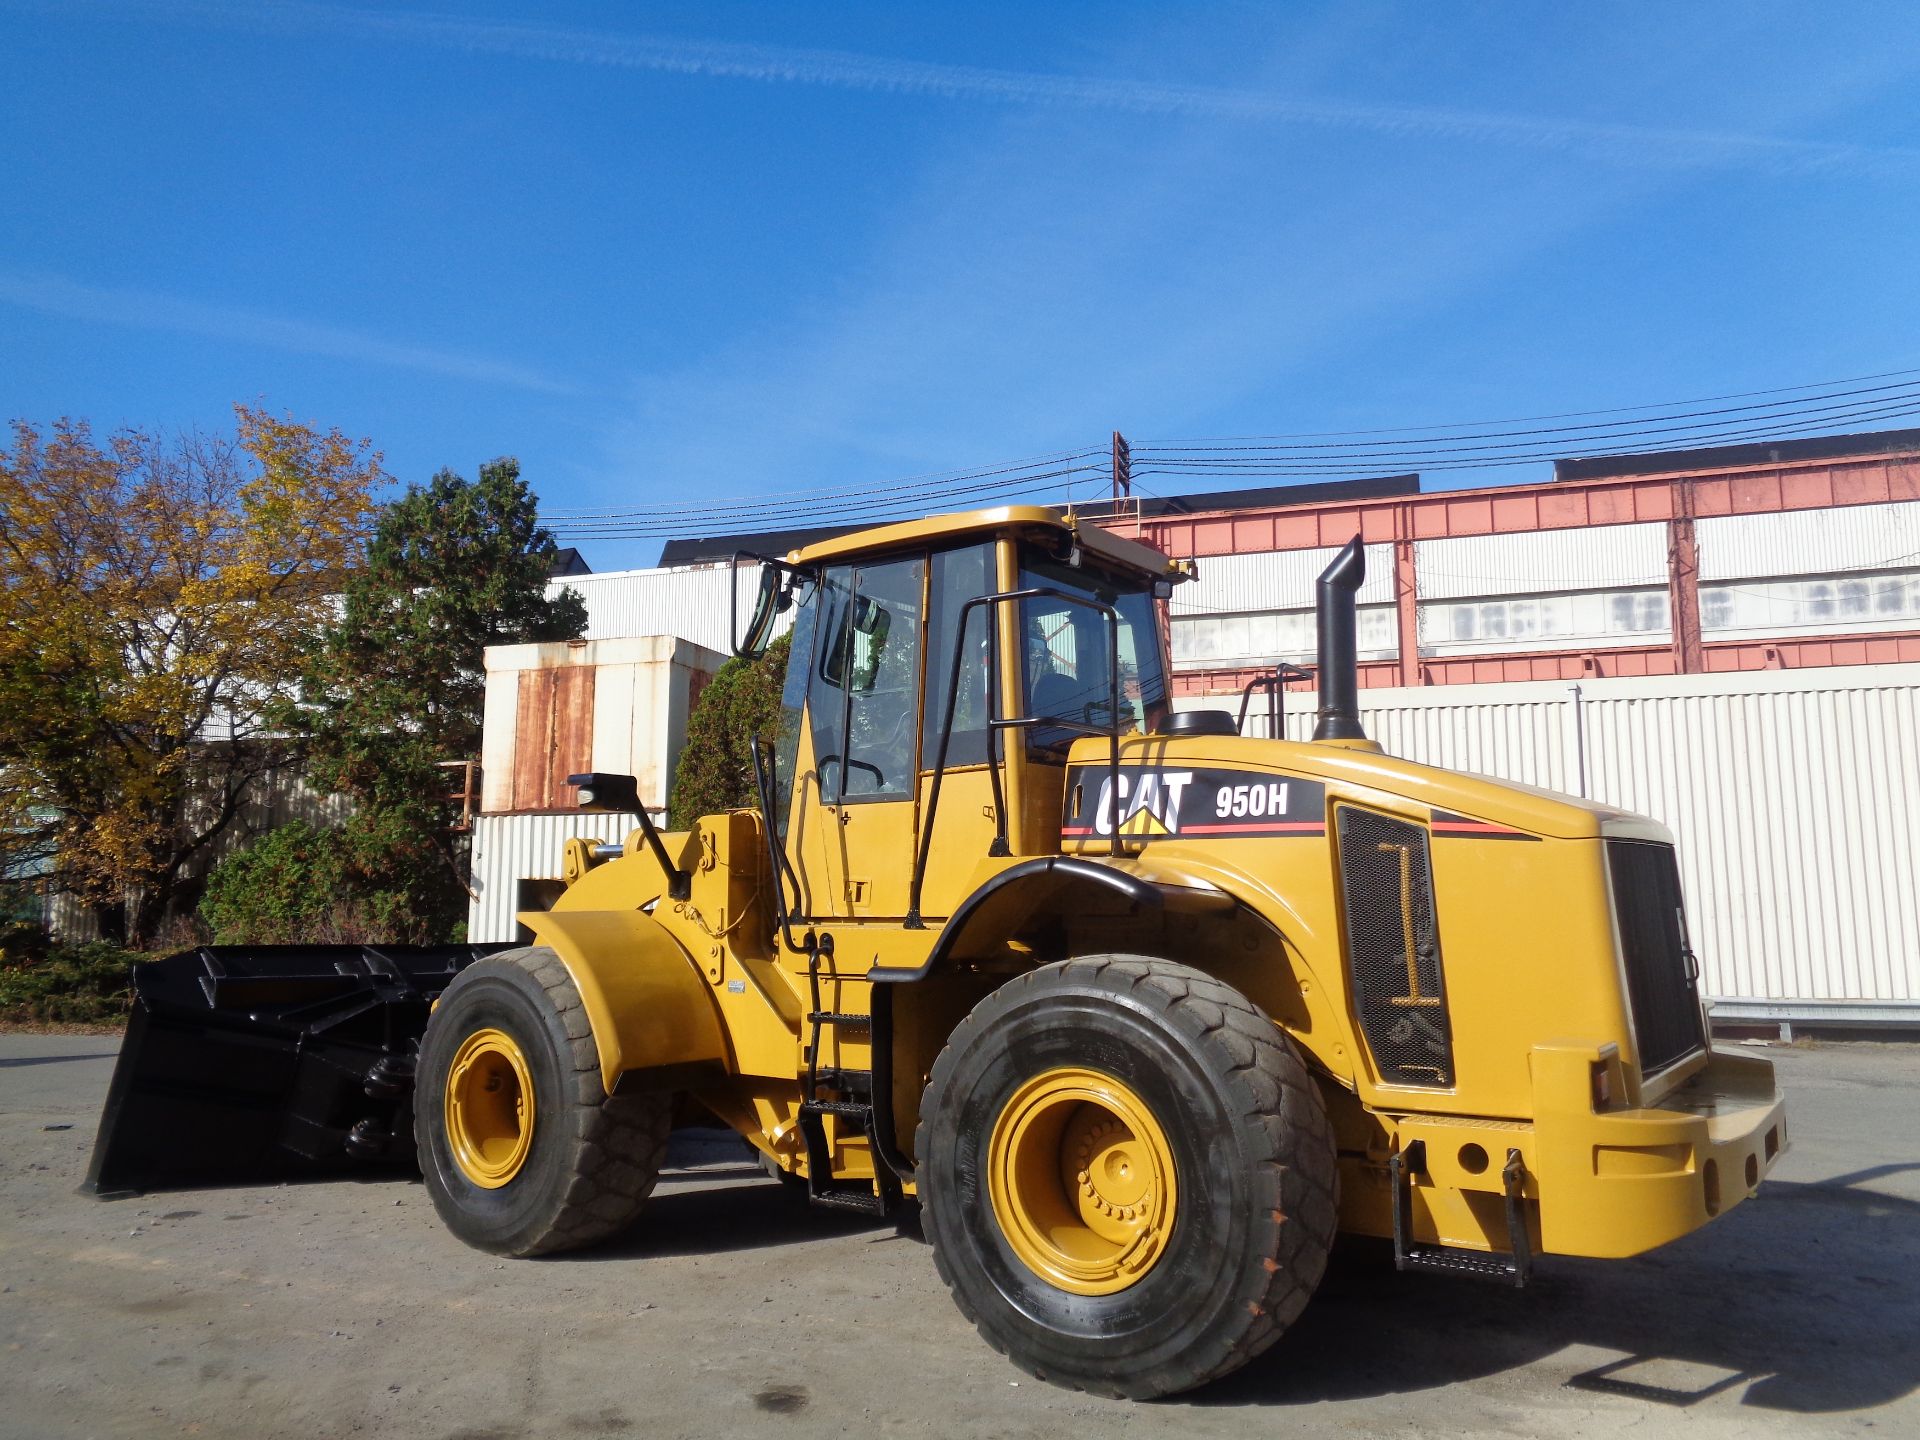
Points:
(1794, 796)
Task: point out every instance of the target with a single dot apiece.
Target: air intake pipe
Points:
(1339, 715)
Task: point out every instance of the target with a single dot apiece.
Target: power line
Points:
(796, 516)
(1817, 407)
(774, 498)
(792, 518)
(1225, 456)
(1563, 415)
(1501, 456)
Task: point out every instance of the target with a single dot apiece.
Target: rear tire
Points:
(568, 1164)
(1220, 1184)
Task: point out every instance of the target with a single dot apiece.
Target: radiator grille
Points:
(1662, 975)
(1393, 947)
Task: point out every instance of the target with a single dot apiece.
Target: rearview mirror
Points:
(773, 599)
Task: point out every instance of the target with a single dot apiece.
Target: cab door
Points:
(965, 821)
(863, 712)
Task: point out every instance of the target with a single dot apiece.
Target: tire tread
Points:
(1278, 1094)
(617, 1142)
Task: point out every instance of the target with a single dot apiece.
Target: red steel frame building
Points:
(1677, 498)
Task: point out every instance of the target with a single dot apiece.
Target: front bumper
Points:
(1610, 1183)
(1621, 1182)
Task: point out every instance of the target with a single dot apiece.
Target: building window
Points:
(1638, 612)
(1827, 603)
(1274, 635)
(1525, 622)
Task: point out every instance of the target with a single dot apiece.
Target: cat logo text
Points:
(1153, 803)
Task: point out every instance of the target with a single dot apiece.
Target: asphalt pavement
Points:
(342, 1309)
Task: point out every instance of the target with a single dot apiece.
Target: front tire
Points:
(1127, 1175)
(523, 1150)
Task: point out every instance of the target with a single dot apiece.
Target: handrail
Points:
(924, 842)
(765, 777)
(1275, 685)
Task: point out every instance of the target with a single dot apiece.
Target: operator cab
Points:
(939, 672)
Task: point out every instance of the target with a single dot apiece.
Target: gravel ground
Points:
(338, 1309)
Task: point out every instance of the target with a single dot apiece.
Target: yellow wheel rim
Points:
(489, 1108)
(1082, 1182)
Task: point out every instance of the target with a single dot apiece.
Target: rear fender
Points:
(1217, 918)
(1039, 900)
(651, 1010)
(1272, 958)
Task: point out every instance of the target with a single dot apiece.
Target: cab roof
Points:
(972, 523)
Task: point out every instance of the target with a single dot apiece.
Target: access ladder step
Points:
(838, 1017)
(1445, 1260)
(849, 1197)
(1514, 1269)
(853, 1109)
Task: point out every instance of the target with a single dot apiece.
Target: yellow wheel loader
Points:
(1141, 1012)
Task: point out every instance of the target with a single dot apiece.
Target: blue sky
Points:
(667, 254)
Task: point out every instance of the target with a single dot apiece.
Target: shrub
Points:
(370, 882)
(716, 766)
(276, 890)
(68, 984)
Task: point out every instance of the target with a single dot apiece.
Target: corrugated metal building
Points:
(1779, 556)
(509, 849)
(618, 706)
(688, 601)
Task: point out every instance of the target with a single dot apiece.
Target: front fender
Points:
(648, 1004)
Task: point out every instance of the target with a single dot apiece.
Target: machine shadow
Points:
(723, 1212)
(15, 1062)
(1802, 1300)
(1804, 1296)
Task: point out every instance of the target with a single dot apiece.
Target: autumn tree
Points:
(157, 595)
(397, 686)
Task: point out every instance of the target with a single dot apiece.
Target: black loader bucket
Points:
(243, 1064)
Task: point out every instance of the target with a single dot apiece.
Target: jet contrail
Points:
(57, 295)
(846, 70)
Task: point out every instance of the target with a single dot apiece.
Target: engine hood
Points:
(1458, 796)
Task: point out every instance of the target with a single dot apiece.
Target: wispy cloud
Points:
(1637, 145)
(56, 295)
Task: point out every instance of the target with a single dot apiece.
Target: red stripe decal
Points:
(1289, 827)
(1301, 827)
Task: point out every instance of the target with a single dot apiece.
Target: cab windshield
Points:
(1064, 652)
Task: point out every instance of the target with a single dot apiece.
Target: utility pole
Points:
(1122, 469)
(1683, 582)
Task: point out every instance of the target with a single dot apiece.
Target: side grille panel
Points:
(1393, 947)
(1662, 975)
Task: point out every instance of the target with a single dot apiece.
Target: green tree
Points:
(156, 596)
(740, 703)
(397, 687)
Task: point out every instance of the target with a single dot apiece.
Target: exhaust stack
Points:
(1339, 714)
